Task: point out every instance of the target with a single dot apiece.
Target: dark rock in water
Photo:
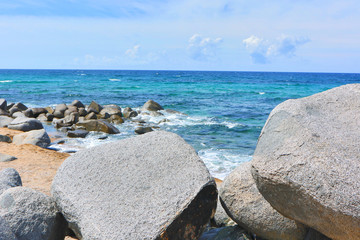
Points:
(25, 124)
(20, 106)
(151, 106)
(5, 121)
(4, 138)
(38, 111)
(226, 233)
(142, 130)
(129, 113)
(306, 163)
(4, 112)
(171, 111)
(77, 104)
(31, 215)
(248, 208)
(111, 111)
(5, 231)
(65, 129)
(91, 115)
(29, 113)
(98, 126)
(71, 119)
(9, 178)
(49, 117)
(103, 137)
(154, 186)
(77, 133)
(35, 137)
(116, 119)
(6, 158)
(82, 112)
(94, 107)
(165, 120)
(3, 104)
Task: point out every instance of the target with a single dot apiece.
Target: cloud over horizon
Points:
(203, 48)
(262, 51)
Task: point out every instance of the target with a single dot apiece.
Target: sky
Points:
(214, 35)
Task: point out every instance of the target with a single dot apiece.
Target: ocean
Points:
(223, 111)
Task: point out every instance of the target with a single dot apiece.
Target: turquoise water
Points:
(225, 110)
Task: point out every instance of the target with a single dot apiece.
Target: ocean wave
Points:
(261, 93)
(114, 80)
(5, 81)
(221, 162)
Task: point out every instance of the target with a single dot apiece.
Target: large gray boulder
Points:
(94, 107)
(77, 104)
(111, 110)
(9, 178)
(5, 231)
(98, 126)
(248, 208)
(151, 106)
(5, 121)
(31, 215)
(6, 158)
(36, 137)
(306, 163)
(3, 103)
(25, 124)
(152, 186)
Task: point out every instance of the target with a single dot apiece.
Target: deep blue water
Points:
(225, 110)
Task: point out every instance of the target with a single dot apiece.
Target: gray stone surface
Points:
(31, 215)
(151, 106)
(142, 130)
(38, 111)
(4, 138)
(77, 104)
(94, 107)
(111, 110)
(306, 163)
(98, 126)
(248, 208)
(6, 158)
(14, 110)
(29, 113)
(152, 186)
(5, 231)
(226, 233)
(20, 106)
(4, 112)
(36, 137)
(5, 121)
(77, 133)
(3, 103)
(18, 115)
(25, 124)
(9, 178)
(129, 113)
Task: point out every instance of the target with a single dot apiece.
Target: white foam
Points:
(5, 81)
(114, 80)
(261, 93)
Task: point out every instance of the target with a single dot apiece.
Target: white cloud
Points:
(262, 51)
(201, 48)
(133, 52)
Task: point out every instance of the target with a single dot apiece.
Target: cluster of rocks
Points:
(303, 181)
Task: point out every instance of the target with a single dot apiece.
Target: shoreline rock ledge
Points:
(306, 163)
(153, 186)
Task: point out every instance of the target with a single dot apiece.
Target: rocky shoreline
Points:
(303, 181)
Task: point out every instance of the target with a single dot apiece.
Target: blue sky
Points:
(278, 35)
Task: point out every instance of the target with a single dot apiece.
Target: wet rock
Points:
(247, 207)
(151, 106)
(142, 130)
(25, 124)
(38, 111)
(129, 113)
(77, 104)
(6, 158)
(5, 121)
(31, 215)
(4, 138)
(59, 111)
(82, 112)
(77, 133)
(116, 119)
(36, 137)
(110, 187)
(306, 163)
(94, 107)
(98, 126)
(91, 115)
(9, 178)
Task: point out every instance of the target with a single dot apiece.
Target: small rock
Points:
(36, 137)
(142, 130)
(9, 178)
(98, 126)
(38, 111)
(18, 114)
(60, 110)
(20, 106)
(25, 124)
(91, 115)
(94, 107)
(29, 113)
(14, 110)
(151, 106)
(4, 138)
(129, 113)
(6, 158)
(77, 133)
(31, 215)
(111, 111)
(82, 112)
(77, 104)
(116, 119)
